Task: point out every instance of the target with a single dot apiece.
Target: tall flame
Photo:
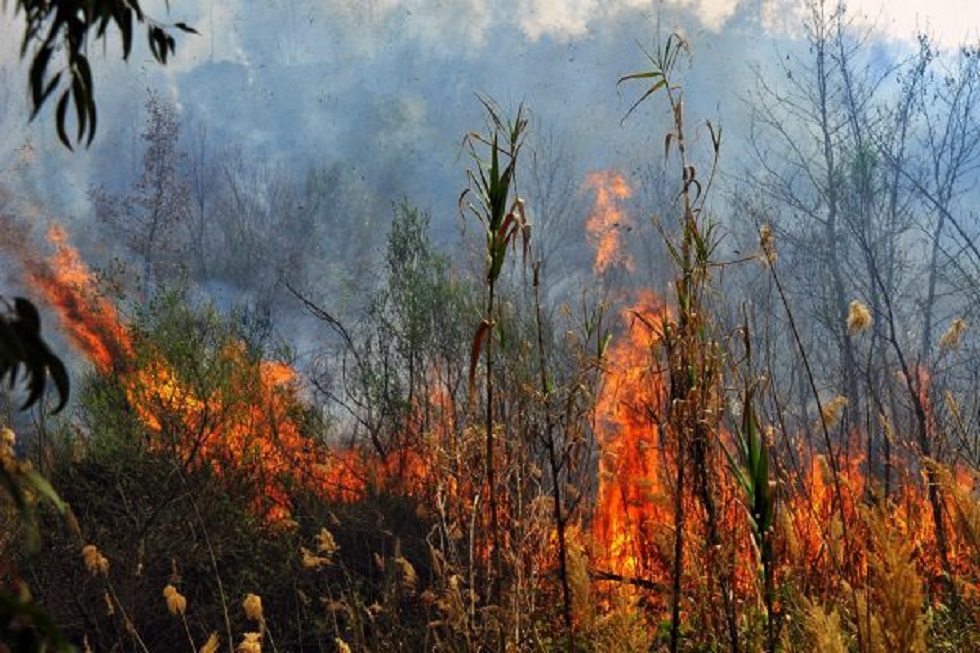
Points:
(90, 320)
(633, 500)
(607, 221)
(632, 497)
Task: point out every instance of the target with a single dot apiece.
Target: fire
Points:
(823, 535)
(248, 430)
(90, 320)
(631, 492)
(606, 223)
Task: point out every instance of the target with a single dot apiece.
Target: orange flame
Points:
(607, 221)
(631, 496)
(250, 433)
(247, 430)
(90, 320)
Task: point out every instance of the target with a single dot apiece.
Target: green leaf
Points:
(37, 72)
(653, 89)
(653, 74)
(44, 488)
(60, 117)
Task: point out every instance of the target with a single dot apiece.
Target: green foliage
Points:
(412, 339)
(495, 155)
(21, 345)
(24, 625)
(158, 515)
(663, 63)
(493, 181)
(750, 465)
(64, 28)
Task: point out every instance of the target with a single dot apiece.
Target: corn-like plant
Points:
(490, 197)
(750, 466)
(693, 357)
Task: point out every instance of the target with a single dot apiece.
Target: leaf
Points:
(45, 488)
(715, 136)
(81, 106)
(481, 336)
(21, 344)
(653, 74)
(186, 28)
(28, 316)
(124, 22)
(48, 90)
(38, 69)
(85, 72)
(60, 116)
(653, 89)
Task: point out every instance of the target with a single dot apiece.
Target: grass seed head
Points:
(251, 643)
(832, 410)
(95, 562)
(858, 317)
(176, 602)
(951, 339)
(253, 607)
(325, 543)
(211, 646)
(768, 244)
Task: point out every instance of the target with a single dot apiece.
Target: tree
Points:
(863, 170)
(160, 201)
(65, 27)
(63, 30)
(552, 191)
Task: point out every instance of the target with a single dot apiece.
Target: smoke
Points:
(385, 89)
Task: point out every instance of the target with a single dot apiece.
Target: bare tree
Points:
(146, 219)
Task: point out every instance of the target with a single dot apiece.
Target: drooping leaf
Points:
(60, 33)
(482, 332)
(61, 114)
(39, 68)
(21, 345)
(45, 489)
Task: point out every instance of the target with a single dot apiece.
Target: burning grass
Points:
(697, 531)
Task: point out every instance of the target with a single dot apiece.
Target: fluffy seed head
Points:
(176, 602)
(95, 562)
(858, 317)
(251, 643)
(253, 607)
(768, 244)
(951, 339)
(832, 410)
